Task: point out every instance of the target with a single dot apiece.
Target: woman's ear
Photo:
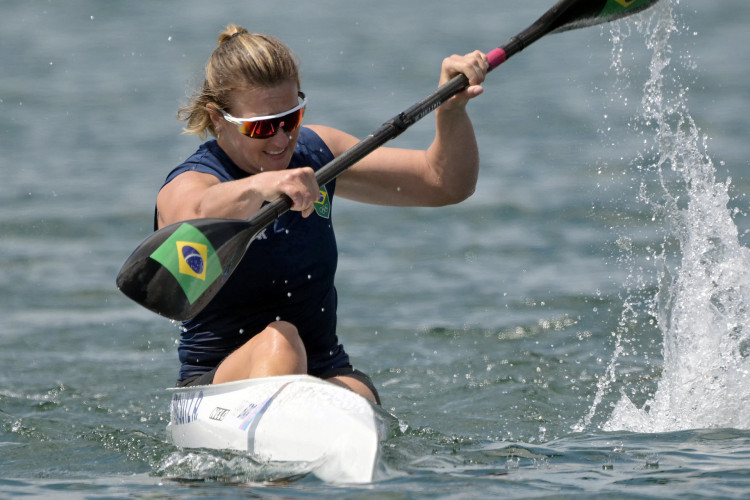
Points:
(214, 115)
(213, 111)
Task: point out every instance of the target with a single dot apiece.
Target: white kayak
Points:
(291, 418)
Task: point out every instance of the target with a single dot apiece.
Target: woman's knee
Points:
(288, 333)
(283, 337)
(285, 328)
(277, 350)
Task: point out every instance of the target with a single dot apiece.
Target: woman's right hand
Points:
(298, 184)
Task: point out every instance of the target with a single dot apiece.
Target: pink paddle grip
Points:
(496, 57)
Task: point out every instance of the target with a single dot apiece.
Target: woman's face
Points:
(258, 155)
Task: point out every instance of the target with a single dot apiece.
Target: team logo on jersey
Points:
(189, 256)
(625, 3)
(323, 203)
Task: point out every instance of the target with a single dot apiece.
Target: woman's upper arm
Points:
(387, 176)
(180, 199)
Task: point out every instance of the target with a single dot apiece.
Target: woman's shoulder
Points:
(311, 147)
(335, 140)
(208, 159)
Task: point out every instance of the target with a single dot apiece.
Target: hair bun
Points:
(230, 32)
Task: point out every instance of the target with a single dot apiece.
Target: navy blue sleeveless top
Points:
(287, 274)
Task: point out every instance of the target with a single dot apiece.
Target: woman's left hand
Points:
(474, 65)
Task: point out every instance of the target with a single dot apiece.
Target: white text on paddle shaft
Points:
(185, 407)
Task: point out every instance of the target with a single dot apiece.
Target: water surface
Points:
(577, 328)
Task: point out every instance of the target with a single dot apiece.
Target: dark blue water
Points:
(578, 328)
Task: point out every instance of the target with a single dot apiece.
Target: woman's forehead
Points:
(262, 101)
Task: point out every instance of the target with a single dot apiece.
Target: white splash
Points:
(702, 305)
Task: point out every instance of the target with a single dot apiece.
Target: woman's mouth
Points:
(276, 153)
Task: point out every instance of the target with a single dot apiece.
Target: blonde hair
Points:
(242, 60)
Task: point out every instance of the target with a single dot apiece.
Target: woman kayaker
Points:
(276, 314)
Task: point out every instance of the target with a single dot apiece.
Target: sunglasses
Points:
(265, 127)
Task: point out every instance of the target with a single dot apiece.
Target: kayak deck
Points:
(290, 418)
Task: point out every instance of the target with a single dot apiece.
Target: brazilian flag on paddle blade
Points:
(191, 259)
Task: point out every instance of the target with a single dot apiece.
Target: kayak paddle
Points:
(177, 270)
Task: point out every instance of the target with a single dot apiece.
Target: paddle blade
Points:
(582, 13)
(177, 270)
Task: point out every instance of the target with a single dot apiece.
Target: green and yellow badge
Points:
(323, 203)
(191, 259)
